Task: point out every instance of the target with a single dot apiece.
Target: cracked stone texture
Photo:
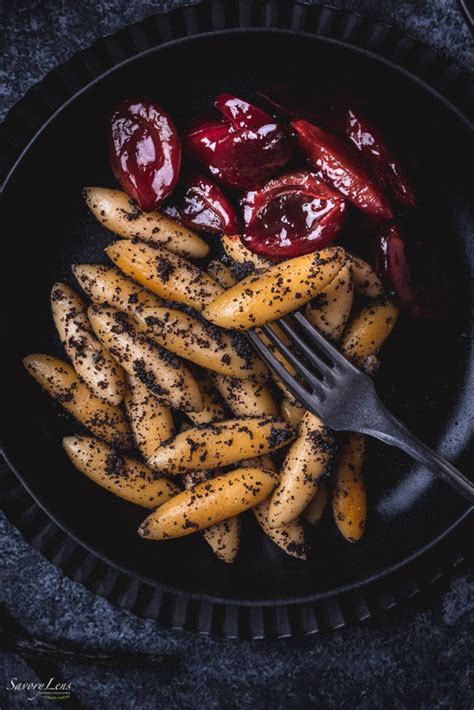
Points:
(416, 657)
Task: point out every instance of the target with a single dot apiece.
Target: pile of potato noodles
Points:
(160, 340)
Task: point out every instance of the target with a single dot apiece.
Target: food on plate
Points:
(279, 198)
(291, 411)
(289, 538)
(221, 273)
(344, 115)
(223, 537)
(329, 311)
(238, 254)
(61, 381)
(369, 329)
(166, 275)
(393, 264)
(144, 151)
(222, 443)
(238, 144)
(315, 510)
(117, 212)
(246, 398)
(229, 281)
(162, 373)
(127, 478)
(349, 501)
(107, 286)
(369, 140)
(97, 368)
(365, 280)
(276, 292)
(291, 215)
(200, 342)
(150, 419)
(213, 408)
(306, 462)
(209, 502)
(333, 162)
(202, 205)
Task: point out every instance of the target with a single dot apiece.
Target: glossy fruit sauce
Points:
(285, 171)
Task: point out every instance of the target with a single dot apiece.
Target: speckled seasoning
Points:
(190, 285)
(200, 342)
(163, 374)
(91, 360)
(157, 308)
(275, 292)
(306, 463)
(222, 443)
(204, 504)
(118, 214)
(59, 379)
(126, 477)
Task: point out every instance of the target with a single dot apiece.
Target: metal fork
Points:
(343, 396)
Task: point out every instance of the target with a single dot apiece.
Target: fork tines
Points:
(317, 363)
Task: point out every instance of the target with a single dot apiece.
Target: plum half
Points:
(294, 214)
(202, 205)
(334, 162)
(145, 151)
(238, 144)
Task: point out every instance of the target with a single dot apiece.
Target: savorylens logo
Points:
(52, 690)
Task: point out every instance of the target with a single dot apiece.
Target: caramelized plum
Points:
(334, 162)
(373, 146)
(145, 151)
(344, 116)
(392, 264)
(238, 144)
(204, 206)
(292, 215)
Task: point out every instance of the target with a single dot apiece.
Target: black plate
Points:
(427, 373)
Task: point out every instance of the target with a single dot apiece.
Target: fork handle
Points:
(395, 433)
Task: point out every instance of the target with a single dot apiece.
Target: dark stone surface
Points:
(39, 34)
(416, 657)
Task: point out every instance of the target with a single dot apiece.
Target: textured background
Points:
(417, 657)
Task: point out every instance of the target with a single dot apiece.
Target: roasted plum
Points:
(145, 151)
(336, 164)
(386, 167)
(202, 205)
(240, 145)
(292, 215)
(393, 259)
(342, 114)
